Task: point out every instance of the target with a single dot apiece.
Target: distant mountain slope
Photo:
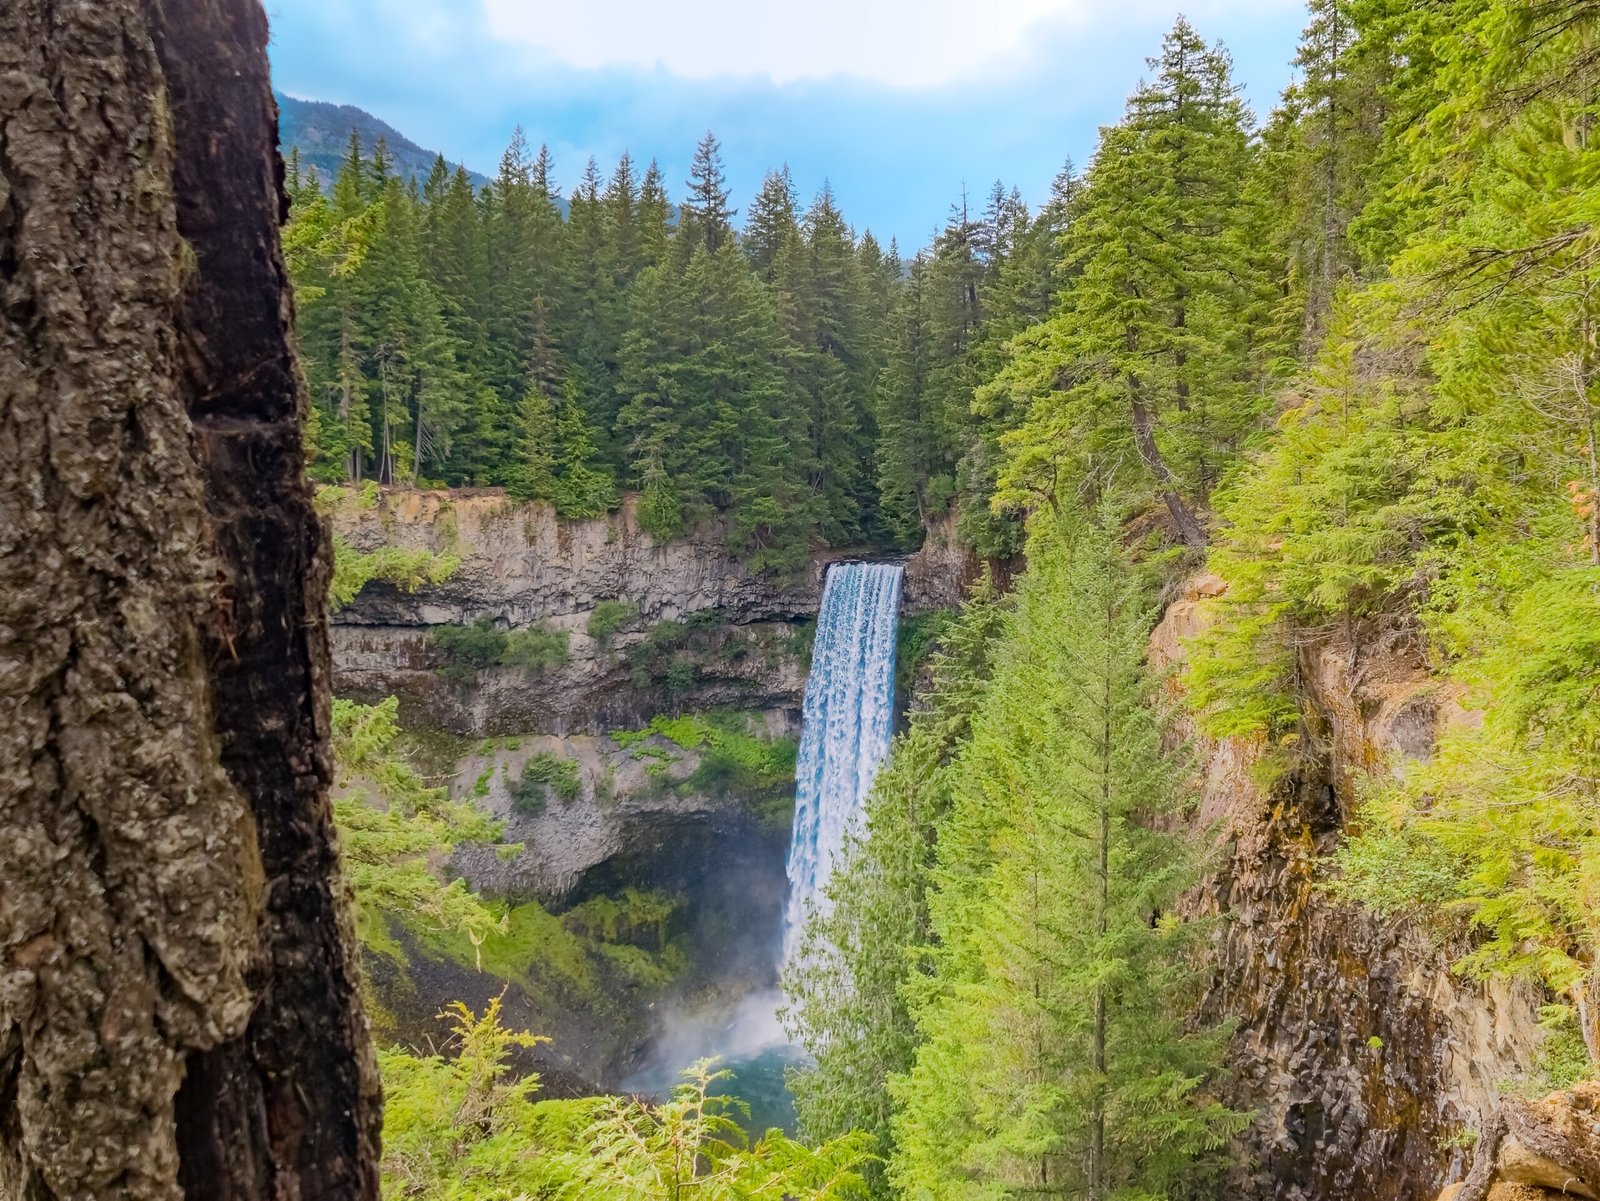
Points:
(321, 131)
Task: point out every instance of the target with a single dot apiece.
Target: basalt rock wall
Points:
(520, 566)
(1364, 1057)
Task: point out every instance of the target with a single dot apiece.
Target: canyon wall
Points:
(1365, 1059)
(701, 635)
(521, 566)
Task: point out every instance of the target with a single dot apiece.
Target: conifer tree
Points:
(532, 476)
(1055, 1059)
(706, 218)
(771, 223)
(910, 451)
(623, 222)
(654, 214)
(831, 364)
(1151, 354)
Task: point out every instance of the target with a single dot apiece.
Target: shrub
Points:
(407, 570)
(528, 796)
(537, 648)
(544, 773)
(469, 648)
(734, 759)
(609, 616)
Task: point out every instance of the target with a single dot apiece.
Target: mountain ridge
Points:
(320, 131)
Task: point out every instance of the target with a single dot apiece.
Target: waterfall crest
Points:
(849, 720)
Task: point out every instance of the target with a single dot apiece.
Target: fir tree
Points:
(1055, 1059)
(707, 220)
(1151, 353)
(771, 223)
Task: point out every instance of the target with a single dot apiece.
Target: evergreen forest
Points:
(1335, 355)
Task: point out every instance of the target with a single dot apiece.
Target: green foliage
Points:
(1054, 1045)
(465, 649)
(849, 981)
(674, 655)
(484, 337)
(692, 1146)
(738, 764)
(1437, 466)
(1147, 360)
(1498, 827)
(393, 828)
(461, 1127)
(736, 759)
(917, 644)
(609, 617)
(407, 570)
(545, 772)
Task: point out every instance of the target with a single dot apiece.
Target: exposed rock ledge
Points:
(1537, 1151)
(526, 564)
(520, 565)
(1364, 1058)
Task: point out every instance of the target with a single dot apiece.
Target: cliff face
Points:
(1364, 1057)
(702, 634)
(521, 566)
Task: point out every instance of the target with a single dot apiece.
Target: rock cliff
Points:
(520, 566)
(1366, 1060)
(692, 632)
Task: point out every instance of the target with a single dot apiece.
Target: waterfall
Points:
(849, 718)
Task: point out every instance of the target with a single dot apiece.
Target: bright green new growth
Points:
(1053, 1052)
(1436, 474)
(408, 570)
(736, 759)
(392, 835)
(462, 1128)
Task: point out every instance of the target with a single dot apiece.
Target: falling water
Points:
(849, 714)
(849, 717)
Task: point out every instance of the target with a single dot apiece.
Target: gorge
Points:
(1104, 707)
(705, 638)
(1358, 1052)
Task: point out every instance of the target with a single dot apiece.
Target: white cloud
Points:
(901, 43)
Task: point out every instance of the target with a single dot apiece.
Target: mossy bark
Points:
(178, 1012)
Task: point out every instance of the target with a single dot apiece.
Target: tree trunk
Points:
(1144, 437)
(178, 1011)
(1102, 908)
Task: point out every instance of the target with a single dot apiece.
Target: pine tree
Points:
(532, 476)
(654, 215)
(1150, 357)
(910, 449)
(706, 218)
(623, 224)
(771, 223)
(1055, 1059)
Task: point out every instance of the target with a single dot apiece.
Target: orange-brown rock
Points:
(1360, 1052)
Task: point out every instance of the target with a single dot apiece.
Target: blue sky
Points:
(897, 103)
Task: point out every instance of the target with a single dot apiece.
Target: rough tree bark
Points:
(178, 1011)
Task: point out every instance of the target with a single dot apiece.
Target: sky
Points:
(898, 105)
